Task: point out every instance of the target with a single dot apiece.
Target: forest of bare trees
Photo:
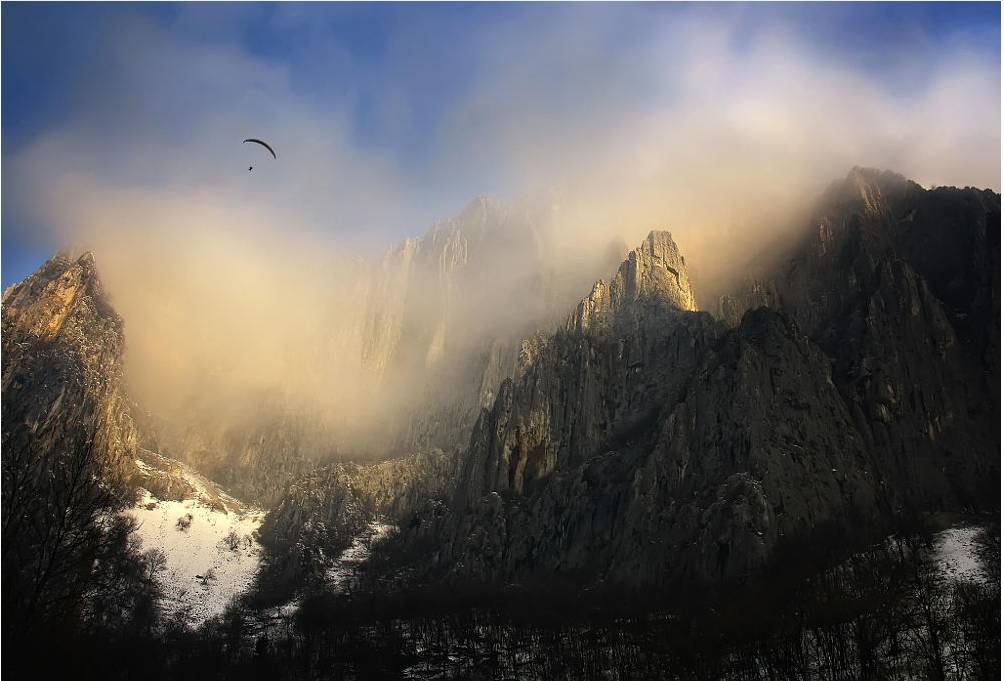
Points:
(885, 613)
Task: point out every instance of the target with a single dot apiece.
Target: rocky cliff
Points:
(68, 458)
(442, 325)
(900, 287)
(646, 443)
(625, 350)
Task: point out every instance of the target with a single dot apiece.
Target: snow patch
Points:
(209, 544)
(956, 554)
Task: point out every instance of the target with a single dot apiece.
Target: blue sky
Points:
(394, 115)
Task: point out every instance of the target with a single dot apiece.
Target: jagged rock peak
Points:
(481, 214)
(481, 206)
(867, 188)
(654, 273)
(39, 305)
(658, 269)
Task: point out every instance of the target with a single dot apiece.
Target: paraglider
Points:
(264, 144)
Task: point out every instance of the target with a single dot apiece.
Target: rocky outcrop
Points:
(760, 448)
(626, 349)
(442, 325)
(651, 281)
(67, 453)
(65, 402)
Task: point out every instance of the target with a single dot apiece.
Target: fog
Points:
(237, 284)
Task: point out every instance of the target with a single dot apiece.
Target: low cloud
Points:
(233, 282)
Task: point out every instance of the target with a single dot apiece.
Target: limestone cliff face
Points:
(65, 403)
(642, 441)
(650, 281)
(646, 443)
(761, 447)
(565, 399)
(442, 326)
(62, 375)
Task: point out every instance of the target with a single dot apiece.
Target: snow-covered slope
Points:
(344, 570)
(208, 539)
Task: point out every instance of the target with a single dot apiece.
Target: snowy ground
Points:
(209, 543)
(342, 572)
(955, 551)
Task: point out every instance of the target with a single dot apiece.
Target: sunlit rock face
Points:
(62, 374)
(652, 279)
(624, 350)
(63, 386)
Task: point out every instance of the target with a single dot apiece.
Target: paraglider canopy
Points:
(264, 144)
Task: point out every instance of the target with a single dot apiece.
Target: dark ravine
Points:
(321, 512)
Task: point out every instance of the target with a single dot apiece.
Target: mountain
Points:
(630, 440)
(69, 461)
(646, 443)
